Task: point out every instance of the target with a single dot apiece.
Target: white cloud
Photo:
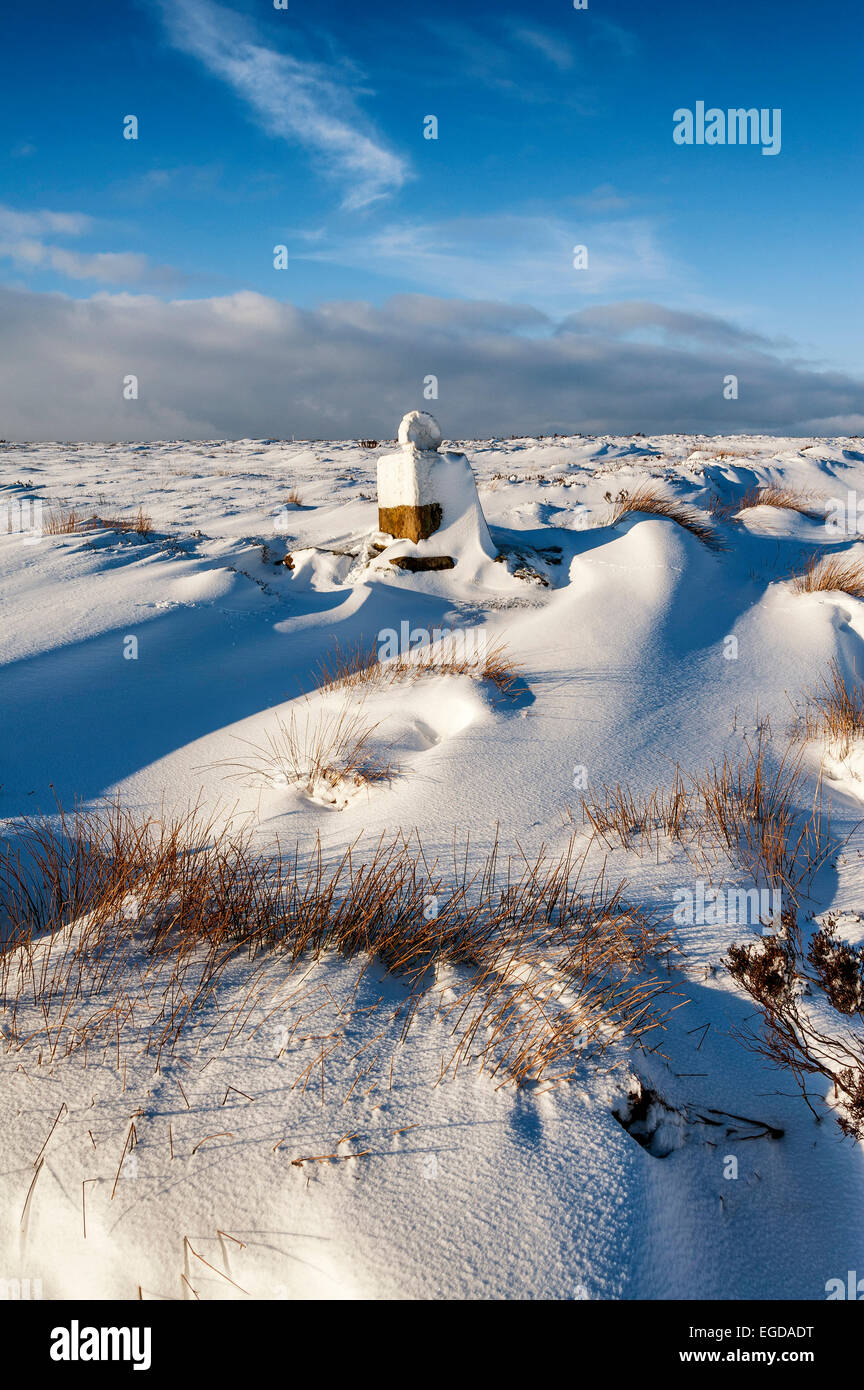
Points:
(246, 365)
(15, 223)
(22, 245)
(108, 267)
(291, 99)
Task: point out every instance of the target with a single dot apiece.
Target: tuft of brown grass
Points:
(141, 524)
(831, 574)
(835, 712)
(362, 669)
(784, 498)
(745, 808)
(647, 499)
(61, 521)
(620, 815)
(750, 807)
(321, 753)
(121, 928)
(294, 499)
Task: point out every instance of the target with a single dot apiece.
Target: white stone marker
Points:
(428, 503)
(408, 502)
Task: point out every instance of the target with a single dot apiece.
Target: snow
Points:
(456, 1188)
(420, 430)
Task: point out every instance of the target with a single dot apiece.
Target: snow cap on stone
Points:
(420, 430)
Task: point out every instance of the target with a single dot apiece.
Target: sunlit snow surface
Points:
(463, 1189)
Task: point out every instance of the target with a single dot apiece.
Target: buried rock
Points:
(648, 1119)
(531, 565)
(415, 563)
(662, 1128)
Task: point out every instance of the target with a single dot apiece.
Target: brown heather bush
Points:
(647, 499)
(831, 574)
(117, 928)
(774, 973)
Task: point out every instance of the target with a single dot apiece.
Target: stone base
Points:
(410, 523)
(416, 563)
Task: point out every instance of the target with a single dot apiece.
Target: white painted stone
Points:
(406, 479)
(417, 475)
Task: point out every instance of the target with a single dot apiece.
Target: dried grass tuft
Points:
(784, 498)
(835, 712)
(140, 524)
(121, 927)
(746, 808)
(361, 668)
(831, 574)
(61, 521)
(647, 499)
(618, 816)
(321, 752)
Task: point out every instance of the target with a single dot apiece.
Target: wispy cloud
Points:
(513, 256)
(604, 198)
(500, 57)
(293, 100)
(624, 41)
(554, 49)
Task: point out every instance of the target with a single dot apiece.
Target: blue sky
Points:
(304, 127)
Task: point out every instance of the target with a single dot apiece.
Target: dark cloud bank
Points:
(248, 366)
